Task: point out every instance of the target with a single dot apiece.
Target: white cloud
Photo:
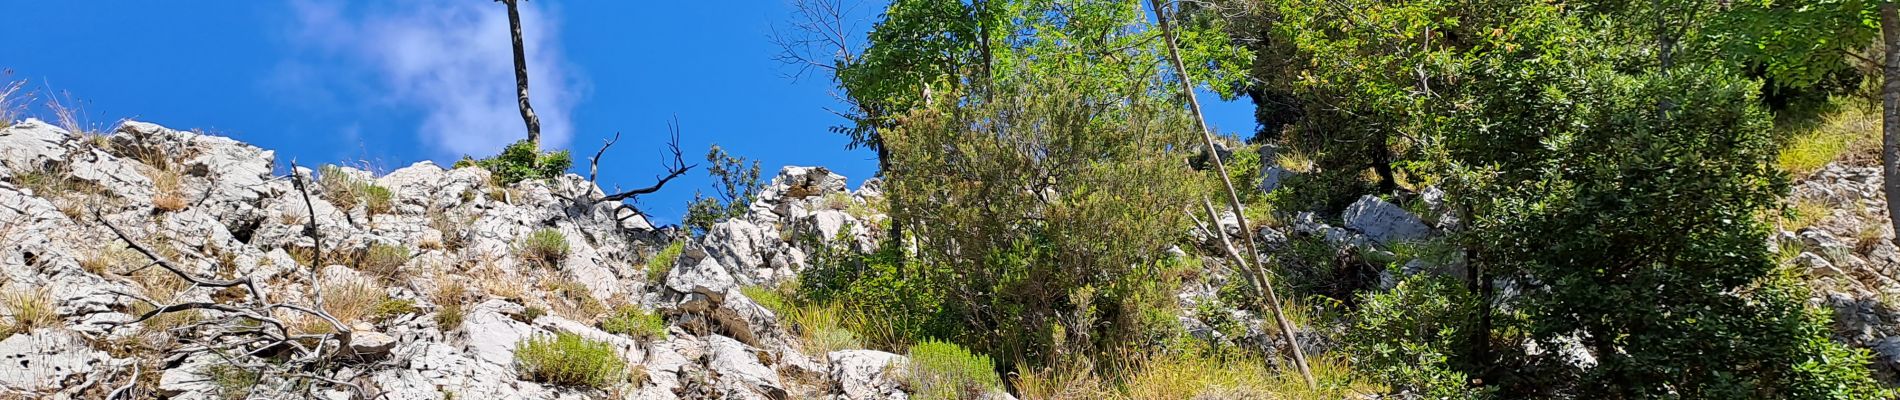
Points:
(450, 59)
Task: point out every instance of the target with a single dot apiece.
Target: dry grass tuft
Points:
(168, 183)
(572, 299)
(28, 309)
(350, 301)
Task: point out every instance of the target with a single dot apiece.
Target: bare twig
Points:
(593, 164)
(819, 37)
(673, 169)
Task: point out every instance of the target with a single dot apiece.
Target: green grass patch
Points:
(662, 262)
(636, 322)
(1850, 133)
(571, 360)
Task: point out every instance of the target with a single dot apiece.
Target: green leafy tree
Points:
(735, 185)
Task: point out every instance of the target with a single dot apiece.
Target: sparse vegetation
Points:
(233, 382)
(521, 161)
(545, 246)
(449, 297)
(350, 301)
(169, 186)
(662, 262)
(568, 359)
(572, 299)
(383, 259)
(636, 322)
(392, 308)
(346, 191)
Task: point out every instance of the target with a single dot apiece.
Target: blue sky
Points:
(388, 84)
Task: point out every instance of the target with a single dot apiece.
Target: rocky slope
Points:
(217, 209)
(444, 317)
(1846, 249)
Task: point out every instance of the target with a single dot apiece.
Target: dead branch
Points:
(819, 37)
(593, 164)
(1258, 272)
(250, 326)
(673, 169)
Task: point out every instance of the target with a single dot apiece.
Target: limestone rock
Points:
(1384, 222)
(866, 374)
(46, 360)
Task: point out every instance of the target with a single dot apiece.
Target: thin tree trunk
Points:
(521, 73)
(1890, 112)
(1233, 198)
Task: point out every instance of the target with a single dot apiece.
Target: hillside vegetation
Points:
(1444, 200)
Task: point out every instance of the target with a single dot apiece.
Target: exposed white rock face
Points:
(1383, 222)
(462, 233)
(31, 144)
(866, 374)
(46, 361)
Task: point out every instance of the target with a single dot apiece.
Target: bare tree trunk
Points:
(1890, 112)
(1233, 198)
(521, 73)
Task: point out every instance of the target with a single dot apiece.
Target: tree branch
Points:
(593, 164)
(673, 170)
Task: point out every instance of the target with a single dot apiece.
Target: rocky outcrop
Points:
(446, 320)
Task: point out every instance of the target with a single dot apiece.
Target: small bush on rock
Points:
(346, 192)
(391, 308)
(546, 246)
(569, 359)
(522, 161)
(942, 370)
(376, 199)
(636, 322)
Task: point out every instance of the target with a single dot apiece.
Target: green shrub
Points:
(1012, 280)
(532, 313)
(376, 199)
(662, 261)
(391, 308)
(1407, 336)
(941, 370)
(636, 322)
(546, 246)
(569, 359)
(521, 161)
(384, 259)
